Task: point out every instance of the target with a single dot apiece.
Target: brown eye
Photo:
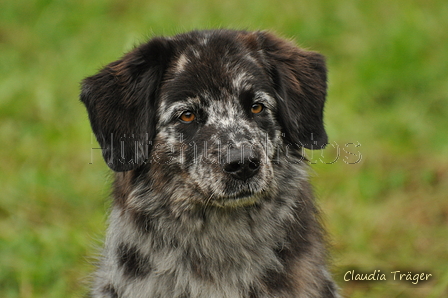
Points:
(187, 117)
(257, 108)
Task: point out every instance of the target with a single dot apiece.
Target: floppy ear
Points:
(300, 79)
(121, 103)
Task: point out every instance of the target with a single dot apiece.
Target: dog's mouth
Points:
(243, 199)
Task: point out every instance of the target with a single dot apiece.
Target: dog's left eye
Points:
(187, 117)
(257, 108)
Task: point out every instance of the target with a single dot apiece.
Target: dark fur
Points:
(221, 206)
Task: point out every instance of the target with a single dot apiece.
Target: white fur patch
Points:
(181, 63)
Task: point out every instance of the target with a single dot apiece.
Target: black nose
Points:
(240, 164)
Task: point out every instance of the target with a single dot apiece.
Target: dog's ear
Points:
(300, 79)
(121, 103)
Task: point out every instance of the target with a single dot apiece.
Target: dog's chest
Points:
(224, 261)
(181, 284)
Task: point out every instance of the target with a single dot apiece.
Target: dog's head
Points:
(213, 107)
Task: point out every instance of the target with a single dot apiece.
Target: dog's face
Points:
(217, 119)
(216, 108)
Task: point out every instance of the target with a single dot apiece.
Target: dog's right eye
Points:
(187, 117)
(257, 108)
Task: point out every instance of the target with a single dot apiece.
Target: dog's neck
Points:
(207, 249)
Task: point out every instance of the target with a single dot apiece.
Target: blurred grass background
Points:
(388, 95)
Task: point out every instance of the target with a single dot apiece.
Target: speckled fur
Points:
(182, 224)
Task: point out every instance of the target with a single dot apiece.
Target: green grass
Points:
(388, 92)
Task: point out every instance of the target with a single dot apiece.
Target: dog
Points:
(205, 132)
